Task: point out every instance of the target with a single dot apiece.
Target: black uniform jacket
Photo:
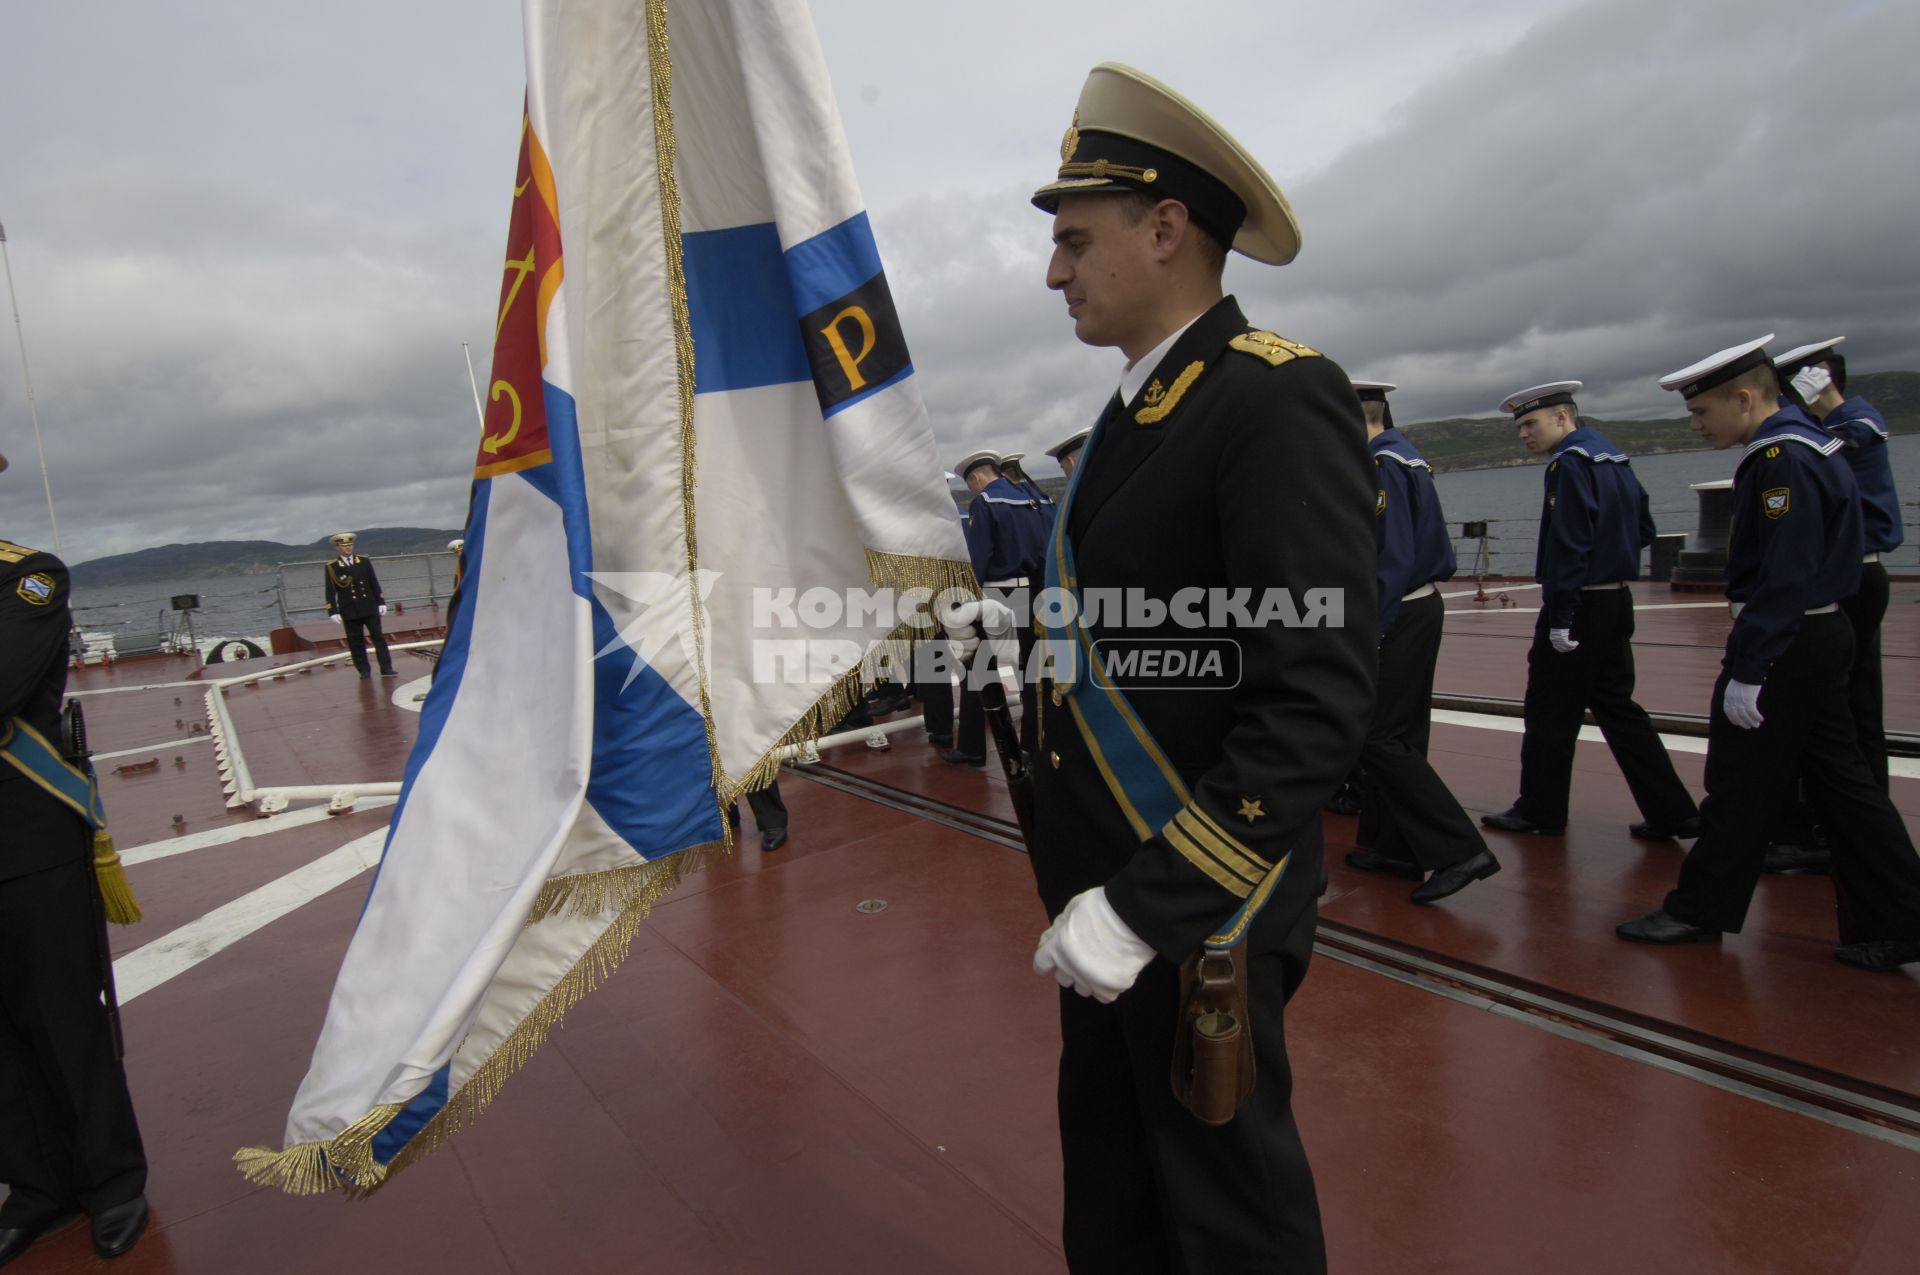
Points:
(1241, 465)
(34, 623)
(353, 590)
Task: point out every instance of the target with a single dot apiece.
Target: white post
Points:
(33, 410)
(477, 409)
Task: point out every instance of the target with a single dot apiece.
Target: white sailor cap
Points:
(1072, 444)
(1131, 132)
(1718, 369)
(455, 546)
(1373, 391)
(1535, 397)
(1012, 458)
(343, 537)
(1805, 356)
(974, 460)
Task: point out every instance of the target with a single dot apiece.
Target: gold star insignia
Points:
(1250, 809)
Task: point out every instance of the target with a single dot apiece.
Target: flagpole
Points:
(33, 411)
(477, 409)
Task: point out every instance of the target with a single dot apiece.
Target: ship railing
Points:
(236, 777)
(405, 578)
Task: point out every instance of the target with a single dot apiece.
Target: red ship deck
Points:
(776, 1082)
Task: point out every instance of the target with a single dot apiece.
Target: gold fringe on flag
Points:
(116, 892)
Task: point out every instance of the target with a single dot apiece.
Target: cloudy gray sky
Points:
(249, 238)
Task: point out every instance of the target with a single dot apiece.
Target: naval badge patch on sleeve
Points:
(36, 589)
(1775, 501)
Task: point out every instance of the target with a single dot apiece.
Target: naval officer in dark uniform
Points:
(68, 1138)
(1007, 529)
(1230, 466)
(1414, 825)
(1594, 521)
(353, 598)
(1780, 704)
(1817, 375)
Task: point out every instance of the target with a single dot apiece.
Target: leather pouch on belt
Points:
(1212, 1043)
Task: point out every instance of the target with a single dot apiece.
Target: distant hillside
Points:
(246, 557)
(1484, 442)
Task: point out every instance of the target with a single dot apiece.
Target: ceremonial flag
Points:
(701, 408)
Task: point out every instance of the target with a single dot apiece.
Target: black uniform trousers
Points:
(1876, 875)
(1409, 813)
(1865, 697)
(933, 685)
(1150, 1189)
(357, 641)
(972, 739)
(1597, 675)
(67, 1129)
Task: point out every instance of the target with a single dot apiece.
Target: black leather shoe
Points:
(364, 675)
(890, 704)
(954, 757)
(15, 1240)
(1511, 820)
(1662, 927)
(1344, 802)
(387, 672)
(773, 838)
(1686, 830)
(115, 1229)
(1456, 878)
(944, 740)
(1787, 857)
(1374, 861)
(1881, 955)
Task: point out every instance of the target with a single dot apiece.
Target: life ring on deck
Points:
(234, 649)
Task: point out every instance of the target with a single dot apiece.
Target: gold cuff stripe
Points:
(1222, 876)
(1233, 843)
(1247, 868)
(1229, 937)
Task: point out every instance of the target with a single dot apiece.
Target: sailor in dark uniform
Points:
(68, 1138)
(1007, 531)
(1415, 826)
(1817, 375)
(1594, 522)
(1013, 472)
(1781, 699)
(353, 598)
(1067, 453)
(1229, 468)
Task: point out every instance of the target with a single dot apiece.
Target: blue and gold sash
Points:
(28, 751)
(1143, 782)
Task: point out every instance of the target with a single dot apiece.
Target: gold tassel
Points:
(115, 891)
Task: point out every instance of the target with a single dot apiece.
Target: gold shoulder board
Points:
(1274, 349)
(11, 552)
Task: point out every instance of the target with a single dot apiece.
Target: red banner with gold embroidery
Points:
(515, 432)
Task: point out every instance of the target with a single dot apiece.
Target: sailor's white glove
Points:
(1741, 702)
(997, 618)
(383, 608)
(958, 619)
(1090, 949)
(338, 619)
(1562, 640)
(1811, 382)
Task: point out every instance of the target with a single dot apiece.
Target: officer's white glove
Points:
(1090, 949)
(1741, 702)
(338, 619)
(1562, 640)
(1811, 382)
(383, 608)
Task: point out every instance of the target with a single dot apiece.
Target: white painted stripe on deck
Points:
(1638, 607)
(1898, 767)
(153, 748)
(228, 833)
(1497, 588)
(150, 686)
(168, 957)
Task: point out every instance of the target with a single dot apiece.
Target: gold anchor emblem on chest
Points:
(1156, 393)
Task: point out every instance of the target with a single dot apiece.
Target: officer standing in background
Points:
(1780, 703)
(1415, 826)
(68, 1137)
(353, 598)
(1183, 816)
(1007, 533)
(1067, 453)
(1594, 522)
